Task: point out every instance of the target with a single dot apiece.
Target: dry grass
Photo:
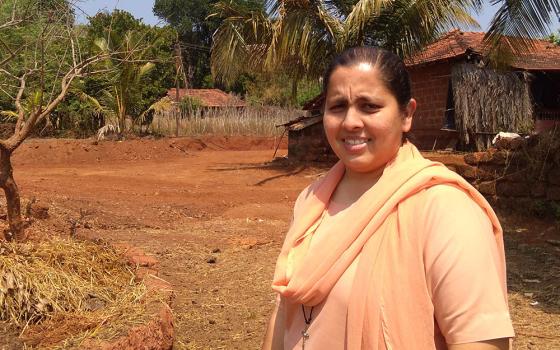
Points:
(249, 121)
(535, 327)
(61, 292)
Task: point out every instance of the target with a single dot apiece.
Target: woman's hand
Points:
(494, 344)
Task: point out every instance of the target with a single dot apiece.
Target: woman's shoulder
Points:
(446, 196)
(446, 210)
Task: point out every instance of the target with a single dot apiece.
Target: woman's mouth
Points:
(355, 144)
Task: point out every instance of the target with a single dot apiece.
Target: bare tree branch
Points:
(14, 20)
(19, 108)
(24, 128)
(72, 45)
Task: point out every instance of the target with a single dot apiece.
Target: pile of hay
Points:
(65, 291)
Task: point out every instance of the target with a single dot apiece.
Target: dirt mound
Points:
(70, 151)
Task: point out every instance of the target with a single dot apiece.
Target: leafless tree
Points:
(34, 100)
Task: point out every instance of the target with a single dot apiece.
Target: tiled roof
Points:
(543, 56)
(209, 97)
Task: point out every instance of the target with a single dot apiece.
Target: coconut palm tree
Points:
(299, 36)
(120, 97)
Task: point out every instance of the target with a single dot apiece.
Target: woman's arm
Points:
(494, 344)
(465, 271)
(274, 337)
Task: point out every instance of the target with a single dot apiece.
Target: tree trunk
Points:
(294, 91)
(13, 202)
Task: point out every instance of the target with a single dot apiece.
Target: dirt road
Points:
(215, 217)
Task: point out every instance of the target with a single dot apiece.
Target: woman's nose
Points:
(352, 119)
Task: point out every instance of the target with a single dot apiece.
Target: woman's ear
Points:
(408, 113)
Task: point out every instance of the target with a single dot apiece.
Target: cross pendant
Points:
(305, 336)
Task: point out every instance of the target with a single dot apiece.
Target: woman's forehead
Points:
(356, 78)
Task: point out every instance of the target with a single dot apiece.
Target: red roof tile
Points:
(209, 97)
(543, 56)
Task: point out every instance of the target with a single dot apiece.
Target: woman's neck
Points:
(362, 181)
(353, 185)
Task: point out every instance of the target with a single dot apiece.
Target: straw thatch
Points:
(81, 285)
(487, 102)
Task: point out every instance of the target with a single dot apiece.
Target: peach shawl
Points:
(386, 298)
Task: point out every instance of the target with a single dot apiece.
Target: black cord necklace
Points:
(304, 333)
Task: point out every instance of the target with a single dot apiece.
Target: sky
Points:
(143, 9)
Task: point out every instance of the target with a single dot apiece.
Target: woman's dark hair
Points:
(390, 66)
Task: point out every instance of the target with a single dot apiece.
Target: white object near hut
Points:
(507, 140)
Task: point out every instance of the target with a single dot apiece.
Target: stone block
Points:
(492, 156)
(468, 172)
(487, 188)
(142, 272)
(473, 158)
(499, 158)
(477, 157)
(489, 172)
(475, 173)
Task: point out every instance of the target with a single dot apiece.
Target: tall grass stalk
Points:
(228, 121)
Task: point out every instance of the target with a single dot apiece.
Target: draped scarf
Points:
(305, 274)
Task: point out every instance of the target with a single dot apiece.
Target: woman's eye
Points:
(371, 107)
(336, 107)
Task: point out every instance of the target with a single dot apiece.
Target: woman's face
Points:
(363, 121)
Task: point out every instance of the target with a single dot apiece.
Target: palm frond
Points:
(8, 116)
(517, 22)
(96, 106)
(307, 30)
(523, 18)
(157, 107)
(362, 13)
(145, 69)
(101, 44)
(406, 26)
(240, 43)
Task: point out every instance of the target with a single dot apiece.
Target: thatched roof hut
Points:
(487, 102)
(459, 98)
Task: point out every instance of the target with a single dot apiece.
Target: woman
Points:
(388, 250)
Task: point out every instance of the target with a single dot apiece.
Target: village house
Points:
(461, 103)
(167, 113)
(459, 99)
(209, 98)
